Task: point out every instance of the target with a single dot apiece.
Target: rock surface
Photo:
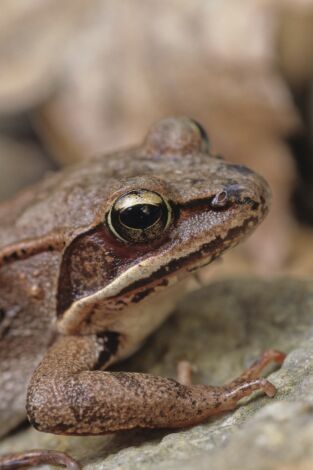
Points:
(220, 329)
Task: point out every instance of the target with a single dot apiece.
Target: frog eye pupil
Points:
(140, 216)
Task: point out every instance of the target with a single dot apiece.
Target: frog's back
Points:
(62, 202)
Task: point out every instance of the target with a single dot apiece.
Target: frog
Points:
(93, 259)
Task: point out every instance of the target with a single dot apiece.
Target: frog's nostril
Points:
(220, 199)
(236, 193)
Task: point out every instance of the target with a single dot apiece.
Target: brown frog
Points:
(92, 260)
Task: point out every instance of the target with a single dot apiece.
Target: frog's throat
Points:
(149, 276)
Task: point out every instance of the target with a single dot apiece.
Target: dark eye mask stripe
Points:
(215, 246)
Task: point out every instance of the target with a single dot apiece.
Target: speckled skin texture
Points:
(66, 281)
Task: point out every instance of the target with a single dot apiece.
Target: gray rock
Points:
(221, 329)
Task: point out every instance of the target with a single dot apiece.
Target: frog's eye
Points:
(139, 216)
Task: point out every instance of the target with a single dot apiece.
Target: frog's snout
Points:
(240, 194)
(250, 188)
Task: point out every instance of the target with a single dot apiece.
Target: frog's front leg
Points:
(68, 396)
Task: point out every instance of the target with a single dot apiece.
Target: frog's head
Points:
(170, 208)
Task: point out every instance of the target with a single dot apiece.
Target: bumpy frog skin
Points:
(92, 261)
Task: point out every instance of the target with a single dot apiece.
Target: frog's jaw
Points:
(157, 272)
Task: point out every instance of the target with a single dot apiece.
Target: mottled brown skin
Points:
(74, 298)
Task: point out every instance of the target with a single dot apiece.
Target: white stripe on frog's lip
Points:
(185, 261)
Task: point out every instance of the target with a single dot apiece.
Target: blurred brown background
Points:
(81, 77)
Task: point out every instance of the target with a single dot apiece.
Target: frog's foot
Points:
(37, 457)
(228, 396)
(255, 370)
(185, 369)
